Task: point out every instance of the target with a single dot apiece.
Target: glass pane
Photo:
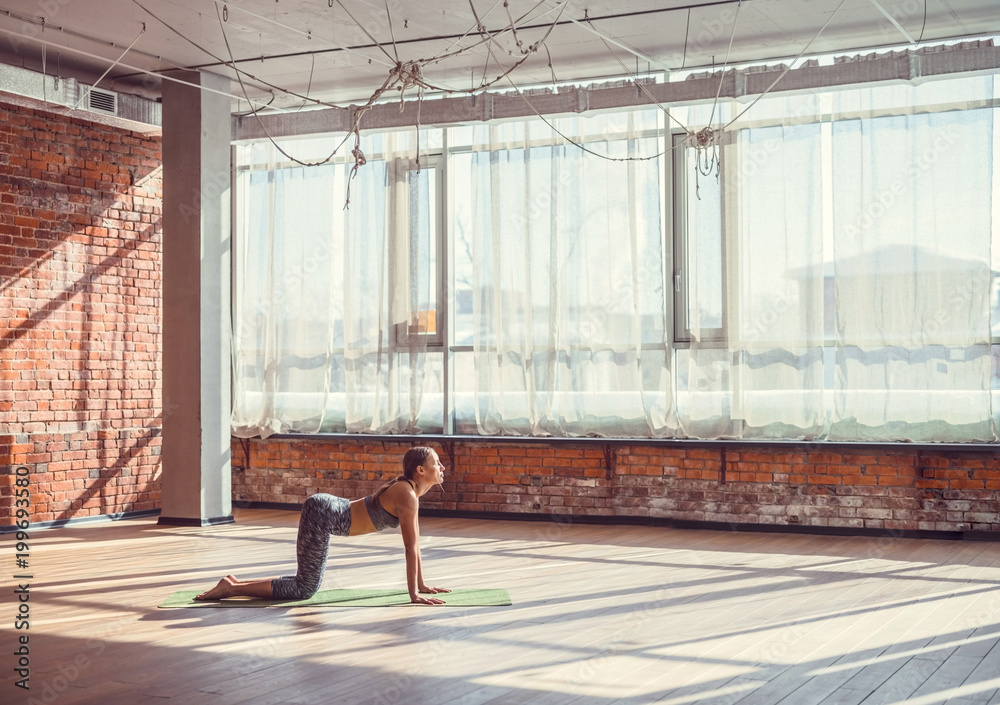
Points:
(463, 399)
(431, 398)
(460, 169)
(423, 250)
(703, 203)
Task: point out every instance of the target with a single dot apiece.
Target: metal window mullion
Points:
(678, 272)
(443, 304)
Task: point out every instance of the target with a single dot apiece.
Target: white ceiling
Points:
(307, 46)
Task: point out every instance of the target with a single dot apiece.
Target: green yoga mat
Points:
(348, 598)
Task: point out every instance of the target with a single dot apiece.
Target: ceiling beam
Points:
(737, 84)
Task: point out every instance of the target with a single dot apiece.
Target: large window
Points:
(559, 278)
(850, 295)
(824, 269)
(337, 308)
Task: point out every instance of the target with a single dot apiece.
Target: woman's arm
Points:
(421, 585)
(410, 527)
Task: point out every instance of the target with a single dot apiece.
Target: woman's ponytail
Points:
(412, 459)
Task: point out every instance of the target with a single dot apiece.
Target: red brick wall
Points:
(897, 490)
(79, 315)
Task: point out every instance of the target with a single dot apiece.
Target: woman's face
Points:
(433, 468)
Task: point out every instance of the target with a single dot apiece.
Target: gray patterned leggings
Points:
(323, 515)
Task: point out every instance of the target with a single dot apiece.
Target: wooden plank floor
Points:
(602, 615)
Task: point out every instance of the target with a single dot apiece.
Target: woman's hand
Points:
(432, 590)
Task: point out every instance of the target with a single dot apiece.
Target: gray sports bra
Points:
(381, 519)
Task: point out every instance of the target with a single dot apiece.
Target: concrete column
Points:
(196, 479)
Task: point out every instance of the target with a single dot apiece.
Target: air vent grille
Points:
(101, 101)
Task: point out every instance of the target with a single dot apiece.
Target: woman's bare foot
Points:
(223, 589)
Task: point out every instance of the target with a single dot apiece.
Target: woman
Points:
(394, 504)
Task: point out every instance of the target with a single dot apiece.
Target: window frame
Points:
(403, 335)
(681, 279)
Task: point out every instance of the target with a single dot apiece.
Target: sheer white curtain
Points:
(755, 366)
(323, 294)
(837, 278)
(854, 297)
(566, 264)
(913, 233)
